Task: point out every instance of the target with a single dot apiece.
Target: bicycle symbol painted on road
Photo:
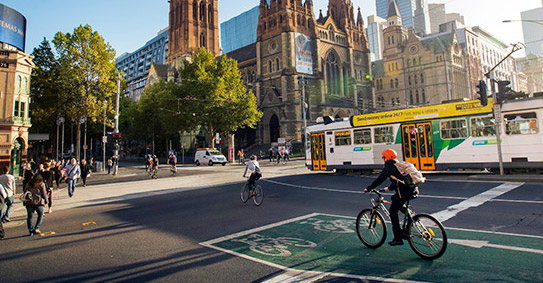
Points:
(274, 246)
(339, 226)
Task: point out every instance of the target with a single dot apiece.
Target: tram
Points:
(451, 136)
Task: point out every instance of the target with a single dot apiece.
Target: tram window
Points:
(383, 135)
(343, 138)
(521, 124)
(362, 136)
(482, 127)
(454, 129)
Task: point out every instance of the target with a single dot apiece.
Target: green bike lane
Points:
(328, 244)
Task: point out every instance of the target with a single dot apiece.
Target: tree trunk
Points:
(78, 141)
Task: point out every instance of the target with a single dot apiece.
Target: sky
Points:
(128, 24)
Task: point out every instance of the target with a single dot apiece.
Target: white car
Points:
(209, 156)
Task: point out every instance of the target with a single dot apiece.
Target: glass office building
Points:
(135, 66)
(414, 13)
(239, 31)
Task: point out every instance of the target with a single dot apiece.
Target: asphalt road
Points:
(157, 237)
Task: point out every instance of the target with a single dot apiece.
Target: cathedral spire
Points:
(394, 18)
(359, 19)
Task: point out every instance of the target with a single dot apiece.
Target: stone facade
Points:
(15, 70)
(418, 71)
(335, 79)
(193, 24)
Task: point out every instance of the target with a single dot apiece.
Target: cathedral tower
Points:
(193, 24)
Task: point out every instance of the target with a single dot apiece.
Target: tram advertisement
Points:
(422, 113)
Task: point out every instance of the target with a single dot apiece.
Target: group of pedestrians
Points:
(38, 184)
(276, 154)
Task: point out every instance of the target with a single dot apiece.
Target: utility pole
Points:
(497, 106)
(104, 140)
(117, 114)
(303, 83)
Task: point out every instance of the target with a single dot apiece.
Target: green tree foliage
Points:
(220, 101)
(75, 80)
(46, 106)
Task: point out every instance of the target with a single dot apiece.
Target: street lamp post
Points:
(539, 22)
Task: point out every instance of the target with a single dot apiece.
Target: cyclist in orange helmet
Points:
(402, 195)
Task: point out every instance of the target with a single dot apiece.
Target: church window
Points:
(270, 66)
(421, 78)
(392, 39)
(396, 83)
(299, 18)
(388, 40)
(416, 81)
(411, 97)
(303, 21)
(210, 14)
(423, 96)
(202, 40)
(280, 19)
(393, 101)
(391, 83)
(417, 96)
(264, 25)
(309, 23)
(409, 79)
(277, 65)
(195, 10)
(202, 11)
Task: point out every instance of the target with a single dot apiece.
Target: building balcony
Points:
(17, 120)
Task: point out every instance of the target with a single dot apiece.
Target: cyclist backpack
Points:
(412, 177)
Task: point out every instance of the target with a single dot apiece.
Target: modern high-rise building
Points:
(135, 66)
(374, 31)
(532, 26)
(239, 31)
(437, 16)
(414, 13)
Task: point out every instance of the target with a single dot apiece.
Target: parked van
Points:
(209, 156)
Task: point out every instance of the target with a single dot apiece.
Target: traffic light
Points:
(503, 91)
(116, 136)
(482, 92)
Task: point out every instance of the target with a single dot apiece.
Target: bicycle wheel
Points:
(427, 236)
(371, 228)
(259, 195)
(245, 193)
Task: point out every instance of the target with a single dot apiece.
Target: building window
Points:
(343, 138)
(383, 135)
(202, 40)
(277, 65)
(396, 84)
(423, 96)
(18, 84)
(421, 78)
(23, 109)
(16, 109)
(202, 11)
(482, 127)
(195, 10)
(391, 83)
(362, 136)
(411, 97)
(409, 79)
(210, 14)
(417, 96)
(454, 129)
(521, 124)
(270, 66)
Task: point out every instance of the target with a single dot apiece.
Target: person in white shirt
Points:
(8, 182)
(72, 173)
(254, 168)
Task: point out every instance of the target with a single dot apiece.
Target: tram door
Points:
(318, 152)
(418, 145)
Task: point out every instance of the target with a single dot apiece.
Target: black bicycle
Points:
(256, 192)
(425, 234)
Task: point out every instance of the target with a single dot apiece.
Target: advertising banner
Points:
(12, 27)
(304, 55)
(422, 113)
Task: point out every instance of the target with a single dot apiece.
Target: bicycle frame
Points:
(379, 204)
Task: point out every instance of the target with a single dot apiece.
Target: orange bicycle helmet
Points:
(389, 154)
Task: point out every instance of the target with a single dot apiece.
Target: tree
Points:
(87, 76)
(215, 91)
(46, 103)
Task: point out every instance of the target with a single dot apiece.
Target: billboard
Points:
(12, 27)
(304, 55)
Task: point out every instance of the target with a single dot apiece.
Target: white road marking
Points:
(480, 244)
(475, 201)
(420, 196)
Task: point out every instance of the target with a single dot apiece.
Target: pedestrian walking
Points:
(48, 176)
(85, 171)
(270, 153)
(27, 174)
(2, 233)
(72, 173)
(115, 164)
(57, 173)
(35, 203)
(8, 182)
(109, 164)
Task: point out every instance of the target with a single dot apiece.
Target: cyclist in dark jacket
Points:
(402, 195)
